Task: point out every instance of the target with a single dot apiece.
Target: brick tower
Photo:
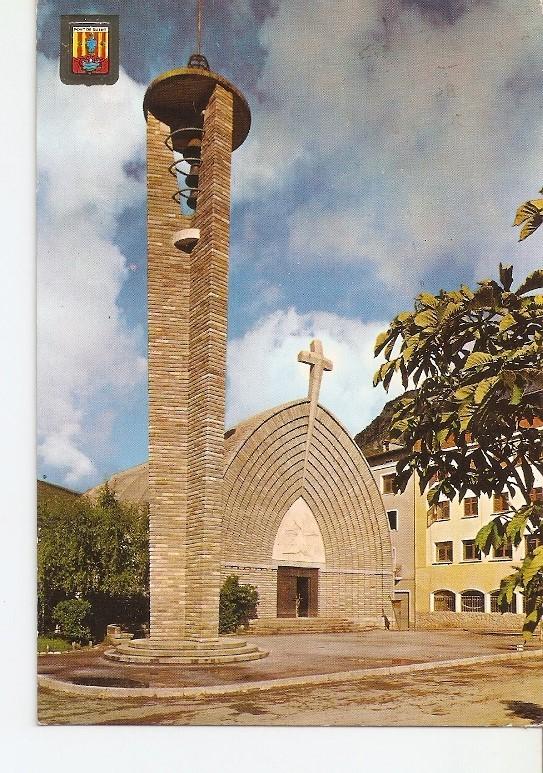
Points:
(195, 119)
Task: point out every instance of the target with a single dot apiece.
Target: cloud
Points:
(88, 358)
(413, 128)
(263, 369)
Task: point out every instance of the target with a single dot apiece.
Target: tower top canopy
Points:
(176, 96)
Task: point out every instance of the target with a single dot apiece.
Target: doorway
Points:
(297, 591)
(302, 596)
(400, 605)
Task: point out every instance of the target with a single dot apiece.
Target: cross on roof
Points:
(317, 365)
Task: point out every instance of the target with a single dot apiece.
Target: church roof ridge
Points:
(132, 481)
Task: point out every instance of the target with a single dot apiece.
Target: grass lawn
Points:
(54, 644)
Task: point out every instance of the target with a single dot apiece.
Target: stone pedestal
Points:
(176, 652)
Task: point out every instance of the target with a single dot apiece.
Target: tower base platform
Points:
(188, 652)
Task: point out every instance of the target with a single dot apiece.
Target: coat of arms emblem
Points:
(90, 50)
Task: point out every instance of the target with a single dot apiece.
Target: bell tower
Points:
(195, 120)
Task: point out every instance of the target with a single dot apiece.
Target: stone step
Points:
(172, 652)
(222, 643)
(303, 625)
(199, 659)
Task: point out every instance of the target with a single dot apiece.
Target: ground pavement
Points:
(483, 694)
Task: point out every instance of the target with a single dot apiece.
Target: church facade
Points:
(302, 516)
(305, 525)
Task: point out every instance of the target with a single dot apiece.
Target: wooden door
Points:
(290, 581)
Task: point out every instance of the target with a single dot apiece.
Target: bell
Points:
(191, 179)
(191, 201)
(186, 239)
(193, 149)
(185, 138)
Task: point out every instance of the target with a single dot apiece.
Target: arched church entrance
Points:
(303, 520)
(298, 550)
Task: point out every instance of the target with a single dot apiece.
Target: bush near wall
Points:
(71, 616)
(237, 604)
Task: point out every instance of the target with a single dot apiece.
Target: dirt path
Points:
(482, 695)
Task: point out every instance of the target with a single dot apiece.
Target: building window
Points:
(504, 551)
(441, 511)
(392, 516)
(505, 607)
(536, 495)
(470, 550)
(501, 502)
(473, 601)
(444, 552)
(471, 507)
(444, 601)
(388, 483)
(532, 542)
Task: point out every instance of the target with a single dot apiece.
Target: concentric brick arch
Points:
(264, 477)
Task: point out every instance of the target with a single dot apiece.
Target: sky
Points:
(391, 143)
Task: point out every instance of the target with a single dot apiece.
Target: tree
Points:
(473, 421)
(96, 551)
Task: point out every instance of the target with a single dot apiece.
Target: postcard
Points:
(289, 358)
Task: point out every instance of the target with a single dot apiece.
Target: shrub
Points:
(237, 604)
(52, 644)
(71, 615)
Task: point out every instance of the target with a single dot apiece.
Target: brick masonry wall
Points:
(351, 596)
(475, 621)
(265, 581)
(168, 313)
(262, 480)
(207, 367)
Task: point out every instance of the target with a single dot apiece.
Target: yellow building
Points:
(448, 582)
(453, 580)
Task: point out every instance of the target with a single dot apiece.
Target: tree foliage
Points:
(71, 616)
(93, 550)
(237, 604)
(472, 423)
(530, 216)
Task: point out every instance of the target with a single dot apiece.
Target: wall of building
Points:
(265, 476)
(471, 621)
(461, 573)
(403, 537)
(414, 550)
(342, 594)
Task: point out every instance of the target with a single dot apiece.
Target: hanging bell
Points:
(193, 149)
(192, 178)
(186, 239)
(191, 201)
(183, 137)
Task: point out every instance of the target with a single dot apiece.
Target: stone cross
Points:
(317, 365)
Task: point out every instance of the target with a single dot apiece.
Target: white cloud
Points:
(86, 353)
(263, 370)
(422, 137)
(60, 450)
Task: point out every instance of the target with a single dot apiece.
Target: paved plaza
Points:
(492, 694)
(504, 692)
